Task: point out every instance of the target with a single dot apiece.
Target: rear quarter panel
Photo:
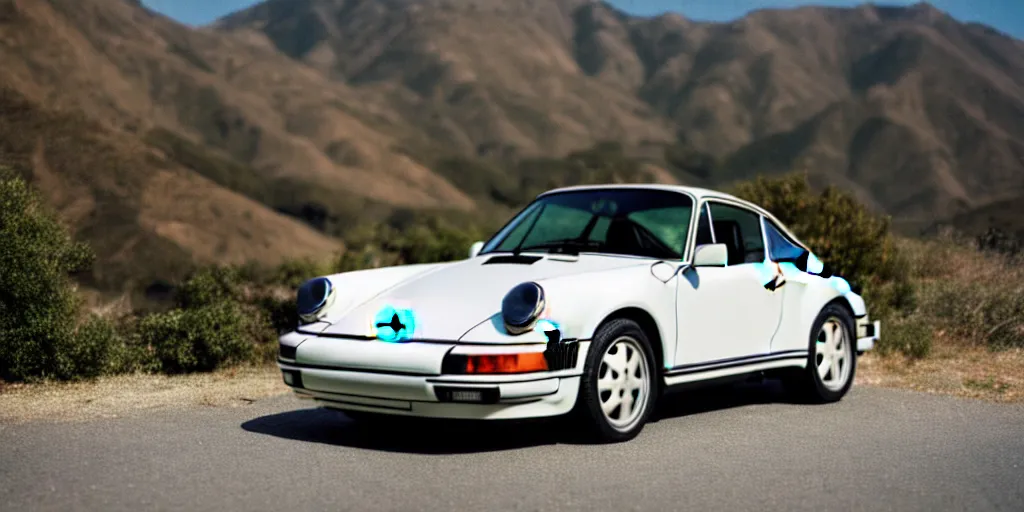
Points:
(805, 296)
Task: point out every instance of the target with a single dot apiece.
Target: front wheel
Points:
(618, 387)
(831, 361)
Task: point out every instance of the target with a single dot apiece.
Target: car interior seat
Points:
(622, 238)
(728, 232)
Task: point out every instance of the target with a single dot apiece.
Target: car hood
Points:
(446, 301)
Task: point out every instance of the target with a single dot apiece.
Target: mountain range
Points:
(166, 145)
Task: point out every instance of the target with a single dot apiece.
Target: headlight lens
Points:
(314, 298)
(522, 306)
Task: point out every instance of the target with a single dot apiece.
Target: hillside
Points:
(917, 113)
(327, 110)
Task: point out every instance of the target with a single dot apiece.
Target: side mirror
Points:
(711, 255)
(475, 249)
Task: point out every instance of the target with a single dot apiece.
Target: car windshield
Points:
(637, 222)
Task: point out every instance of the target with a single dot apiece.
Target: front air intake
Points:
(513, 260)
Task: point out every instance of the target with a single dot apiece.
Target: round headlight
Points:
(522, 306)
(314, 297)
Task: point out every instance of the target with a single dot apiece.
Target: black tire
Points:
(588, 415)
(807, 385)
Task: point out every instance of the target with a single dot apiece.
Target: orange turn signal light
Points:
(503, 363)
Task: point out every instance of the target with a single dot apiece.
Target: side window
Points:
(780, 247)
(704, 234)
(740, 230)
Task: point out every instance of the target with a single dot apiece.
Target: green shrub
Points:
(855, 242)
(38, 303)
(292, 274)
(419, 238)
(911, 336)
(280, 312)
(210, 286)
(96, 344)
(198, 339)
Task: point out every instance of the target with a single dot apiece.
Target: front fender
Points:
(579, 304)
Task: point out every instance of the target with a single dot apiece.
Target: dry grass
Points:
(951, 370)
(970, 314)
(127, 395)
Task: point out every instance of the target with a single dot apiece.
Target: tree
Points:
(38, 304)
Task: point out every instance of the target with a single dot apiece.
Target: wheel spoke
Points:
(606, 383)
(627, 405)
(616, 361)
(632, 363)
(824, 366)
(840, 339)
(609, 405)
(822, 348)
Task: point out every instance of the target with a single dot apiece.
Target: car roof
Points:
(699, 193)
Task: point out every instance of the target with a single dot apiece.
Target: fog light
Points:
(292, 378)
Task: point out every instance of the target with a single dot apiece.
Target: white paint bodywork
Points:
(706, 322)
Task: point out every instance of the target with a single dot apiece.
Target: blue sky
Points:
(1005, 15)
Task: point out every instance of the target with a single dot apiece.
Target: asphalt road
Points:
(731, 449)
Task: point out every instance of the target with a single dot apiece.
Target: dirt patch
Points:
(127, 395)
(951, 370)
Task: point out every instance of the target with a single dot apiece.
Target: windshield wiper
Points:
(519, 246)
(568, 246)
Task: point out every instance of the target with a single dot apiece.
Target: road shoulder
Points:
(128, 395)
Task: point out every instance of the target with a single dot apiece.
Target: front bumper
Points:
(868, 333)
(374, 376)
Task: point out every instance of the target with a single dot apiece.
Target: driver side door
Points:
(726, 315)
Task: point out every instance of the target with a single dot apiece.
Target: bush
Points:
(910, 336)
(421, 238)
(209, 286)
(198, 339)
(220, 320)
(38, 304)
(292, 274)
(855, 242)
(989, 310)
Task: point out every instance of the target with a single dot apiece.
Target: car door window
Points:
(740, 230)
(779, 246)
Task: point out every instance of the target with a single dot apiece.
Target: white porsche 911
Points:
(590, 302)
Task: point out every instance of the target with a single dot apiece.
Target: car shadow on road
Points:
(436, 437)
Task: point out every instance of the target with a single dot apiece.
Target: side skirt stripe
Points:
(734, 362)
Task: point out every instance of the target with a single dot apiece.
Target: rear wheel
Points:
(618, 387)
(831, 361)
